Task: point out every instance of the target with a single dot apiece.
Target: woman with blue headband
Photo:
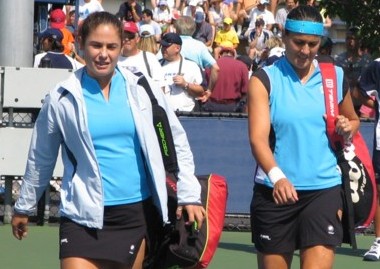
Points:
(297, 202)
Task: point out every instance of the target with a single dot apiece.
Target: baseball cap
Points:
(227, 21)
(199, 17)
(51, 33)
(264, 2)
(146, 30)
(175, 15)
(162, 3)
(130, 26)
(57, 19)
(171, 38)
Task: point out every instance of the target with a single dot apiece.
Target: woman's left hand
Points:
(196, 214)
(343, 127)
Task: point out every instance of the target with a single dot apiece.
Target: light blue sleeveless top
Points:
(301, 147)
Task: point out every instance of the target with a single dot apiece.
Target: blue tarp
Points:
(220, 145)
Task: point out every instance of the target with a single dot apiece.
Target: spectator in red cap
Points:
(58, 21)
(137, 59)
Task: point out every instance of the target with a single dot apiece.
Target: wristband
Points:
(275, 174)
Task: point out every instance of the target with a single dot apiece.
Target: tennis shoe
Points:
(373, 254)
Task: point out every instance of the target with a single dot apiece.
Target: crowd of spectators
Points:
(248, 31)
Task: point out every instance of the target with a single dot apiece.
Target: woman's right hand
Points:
(20, 225)
(284, 192)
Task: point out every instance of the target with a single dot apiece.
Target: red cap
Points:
(57, 19)
(130, 26)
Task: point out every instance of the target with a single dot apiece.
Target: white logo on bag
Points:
(330, 229)
(357, 175)
(64, 240)
(132, 249)
(265, 236)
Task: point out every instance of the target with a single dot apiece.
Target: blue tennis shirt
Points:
(117, 148)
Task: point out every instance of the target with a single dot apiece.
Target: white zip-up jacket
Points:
(62, 121)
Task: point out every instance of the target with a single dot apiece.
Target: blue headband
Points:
(304, 27)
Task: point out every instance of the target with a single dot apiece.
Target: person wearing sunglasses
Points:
(183, 78)
(136, 59)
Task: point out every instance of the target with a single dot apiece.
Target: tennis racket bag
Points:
(186, 246)
(357, 170)
(179, 245)
(162, 129)
(354, 161)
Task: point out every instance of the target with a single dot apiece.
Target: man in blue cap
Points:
(183, 78)
(203, 30)
(53, 51)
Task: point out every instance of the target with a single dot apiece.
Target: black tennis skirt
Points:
(125, 226)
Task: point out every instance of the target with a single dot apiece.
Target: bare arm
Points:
(193, 89)
(136, 17)
(213, 76)
(153, 3)
(238, 6)
(328, 22)
(259, 124)
(360, 98)
(348, 122)
(177, 4)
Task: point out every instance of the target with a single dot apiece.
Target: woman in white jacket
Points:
(113, 196)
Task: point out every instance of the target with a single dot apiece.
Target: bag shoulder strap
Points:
(162, 129)
(146, 63)
(329, 82)
(143, 82)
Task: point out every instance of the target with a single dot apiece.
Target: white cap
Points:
(263, 2)
(146, 30)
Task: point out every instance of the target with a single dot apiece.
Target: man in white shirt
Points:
(282, 13)
(260, 12)
(183, 77)
(133, 59)
(147, 18)
(192, 8)
(86, 7)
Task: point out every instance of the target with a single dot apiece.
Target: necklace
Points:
(309, 72)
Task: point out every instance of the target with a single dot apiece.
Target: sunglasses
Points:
(129, 35)
(167, 46)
